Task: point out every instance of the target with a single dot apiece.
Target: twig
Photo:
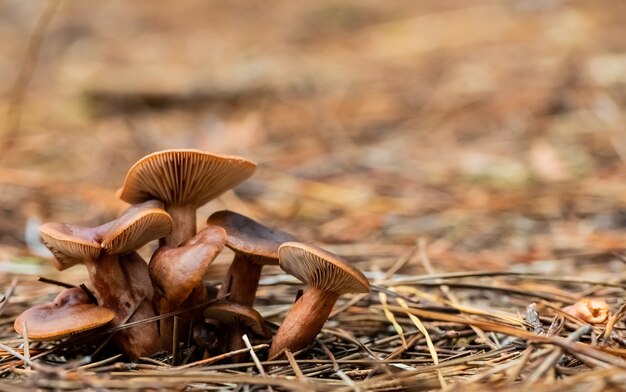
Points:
(16, 354)
(294, 365)
(347, 380)
(175, 341)
(26, 344)
(100, 363)
(556, 354)
(610, 324)
(216, 358)
(256, 359)
(55, 282)
(7, 294)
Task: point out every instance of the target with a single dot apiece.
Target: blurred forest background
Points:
(492, 130)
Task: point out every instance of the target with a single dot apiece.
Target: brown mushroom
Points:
(119, 276)
(176, 272)
(70, 313)
(255, 245)
(327, 277)
(208, 337)
(184, 180)
(238, 319)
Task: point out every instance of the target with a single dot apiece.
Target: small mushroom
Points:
(70, 313)
(590, 310)
(119, 276)
(239, 319)
(327, 276)
(177, 272)
(184, 180)
(208, 337)
(255, 245)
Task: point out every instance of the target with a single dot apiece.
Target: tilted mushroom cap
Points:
(138, 225)
(68, 314)
(249, 237)
(184, 176)
(230, 313)
(176, 271)
(70, 244)
(321, 269)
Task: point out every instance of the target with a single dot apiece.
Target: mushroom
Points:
(119, 276)
(327, 276)
(255, 245)
(177, 272)
(238, 319)
(208, 337)
(70, 313)
(184, 180)
(590, 310)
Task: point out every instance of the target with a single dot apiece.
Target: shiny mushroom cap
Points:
(71, 244)
(248, 237)
(176, 271)
(138, 225)
(321, 269)
(230, 313)
(184, 177)
(68, 314)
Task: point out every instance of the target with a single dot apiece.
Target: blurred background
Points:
(491, 130)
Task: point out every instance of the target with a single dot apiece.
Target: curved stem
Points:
(184, 218)
(184, 228)
(242, 280)
(303, 321)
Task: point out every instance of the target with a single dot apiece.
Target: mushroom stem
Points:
(124, 287)
(184, 218)
(235, 341)
(242, 280)
(177, 276)
(189, 319)
(303, 321)
(166, 325)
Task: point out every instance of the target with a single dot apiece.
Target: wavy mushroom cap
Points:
(321, 269)
(70, 244)
(230, 313)
(184, 177)
(68, 314)
(248, 237)
(138, 225)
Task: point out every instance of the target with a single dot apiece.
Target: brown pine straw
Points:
(362, 349)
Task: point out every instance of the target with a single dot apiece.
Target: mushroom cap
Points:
(68, 314)
(321, 269)
(248, 237)
(184, 177)
(138, 225)
(176, 271)
(229, 313)
(70, 244)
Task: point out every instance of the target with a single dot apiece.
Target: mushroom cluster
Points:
(166, 301)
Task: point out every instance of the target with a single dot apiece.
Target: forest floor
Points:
(470, 158)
